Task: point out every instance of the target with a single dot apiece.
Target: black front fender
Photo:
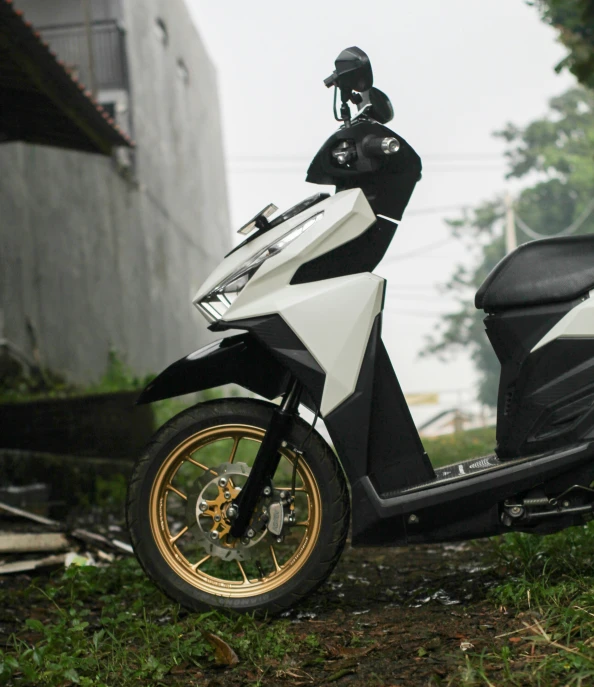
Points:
(239, 359)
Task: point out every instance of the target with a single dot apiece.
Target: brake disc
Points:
(206, 513)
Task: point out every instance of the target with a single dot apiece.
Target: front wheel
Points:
(183, 485)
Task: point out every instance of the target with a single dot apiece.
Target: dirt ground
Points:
(396, 617)
(406, 616)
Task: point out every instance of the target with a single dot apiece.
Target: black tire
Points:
(322, 464)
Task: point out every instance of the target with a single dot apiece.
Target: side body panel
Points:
(373, 430)
(577, 323)
(332, 317)
(546, 390)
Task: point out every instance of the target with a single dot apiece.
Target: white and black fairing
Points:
(540, 325)
(545, 406)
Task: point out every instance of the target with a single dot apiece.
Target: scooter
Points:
(239, 503)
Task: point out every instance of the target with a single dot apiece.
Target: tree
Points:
(555, 151)
(574, 19)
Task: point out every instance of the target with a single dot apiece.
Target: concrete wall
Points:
(94, 260)
(57, 12)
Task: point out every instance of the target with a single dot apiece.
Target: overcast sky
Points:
(455, 71)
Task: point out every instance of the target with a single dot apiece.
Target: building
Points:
(100, 252)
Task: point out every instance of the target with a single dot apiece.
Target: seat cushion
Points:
(539, 272)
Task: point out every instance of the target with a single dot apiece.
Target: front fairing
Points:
(332, 318)
(346, 216)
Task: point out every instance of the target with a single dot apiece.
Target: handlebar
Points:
(379, 146)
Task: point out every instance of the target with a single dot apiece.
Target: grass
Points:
(549, 586)
(110, 627)
(547, 583)
(452, 448)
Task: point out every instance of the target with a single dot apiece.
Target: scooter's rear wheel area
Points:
(183, 486)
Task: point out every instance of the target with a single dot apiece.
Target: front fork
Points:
(266, 461)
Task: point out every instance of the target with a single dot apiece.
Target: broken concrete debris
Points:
(29, 542)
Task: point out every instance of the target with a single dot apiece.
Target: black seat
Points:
(539, 272)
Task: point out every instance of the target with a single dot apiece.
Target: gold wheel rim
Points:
(190, 571)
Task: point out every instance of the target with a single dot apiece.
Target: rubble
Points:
(61, 538)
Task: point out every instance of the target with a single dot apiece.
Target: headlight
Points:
(216, 303)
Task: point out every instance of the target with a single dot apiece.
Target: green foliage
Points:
(110, 492)
(551, 581)
(30, 385)
(574, 19)
(452, 448)
(110, 627)
(163, 411)
(118, 376)
(556, 151)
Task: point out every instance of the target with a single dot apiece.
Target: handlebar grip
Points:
(379, 146)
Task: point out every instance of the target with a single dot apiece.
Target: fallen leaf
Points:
(224, 654)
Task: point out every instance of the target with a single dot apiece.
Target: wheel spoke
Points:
(234, 449)
(202, 467)
(183, 530)
(245, 579)
(275, 561)
(202, 567)
(200, 562)
(170, 487)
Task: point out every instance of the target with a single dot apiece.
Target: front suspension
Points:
(267, 459)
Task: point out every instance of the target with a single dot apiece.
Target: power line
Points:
(568, 231)
(426, 298)
(300, 158)
(412, 287)
(295, 168)
(435, 210)
(416, 313)
(418, 251)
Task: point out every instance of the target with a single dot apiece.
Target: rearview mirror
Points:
(353, 71)
(377, 105)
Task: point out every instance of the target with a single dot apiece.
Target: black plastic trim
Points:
(373, 430)
(538, 392)
(456, 510)
(239, 359)
(361, 254)
(284, 345)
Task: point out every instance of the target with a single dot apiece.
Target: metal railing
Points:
(109, 52)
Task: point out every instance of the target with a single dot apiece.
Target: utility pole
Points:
(91, 58)
(511, 242)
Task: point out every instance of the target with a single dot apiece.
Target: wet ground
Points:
(396, 617)
(386, 617)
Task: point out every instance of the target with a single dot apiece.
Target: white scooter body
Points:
(332, 317)
(308, 307)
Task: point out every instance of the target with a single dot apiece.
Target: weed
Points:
(550, 582)
(110, 626)
(452, 448)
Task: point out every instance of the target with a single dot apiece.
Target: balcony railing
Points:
(109, 52)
